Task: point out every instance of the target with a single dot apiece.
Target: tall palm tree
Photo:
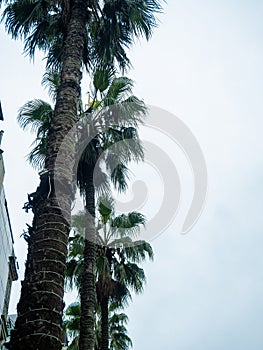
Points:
(118, 257)
(109, 132)
(116, 23)
(39, 321)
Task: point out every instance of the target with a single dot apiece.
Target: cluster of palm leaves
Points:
(119, 339)
(109, 30)
(74, 35)
(117, 273)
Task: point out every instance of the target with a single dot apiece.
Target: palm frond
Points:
(76, 246)
(117, 243)
(73, 274)
(102, 265)
(119, 89)
(127, 225)
(78, 222)
(51, 81)
(31, 20)
(72, 324)
(131, 275)
(133, 111)
(121, 294)
(101, 183)
(36, 157)
(105, 208)
(123, 146)
(119, 177)
(103, 77)
(138, 251)
(120, 318)
(121, 22)
(35, 115)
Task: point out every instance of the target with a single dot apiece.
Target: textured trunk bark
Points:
(104, 305)
(39, 321)
(87, 292)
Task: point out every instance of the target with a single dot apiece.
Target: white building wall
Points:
(6, 249)
(8, 267)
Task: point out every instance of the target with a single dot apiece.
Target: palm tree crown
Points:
(111, 27)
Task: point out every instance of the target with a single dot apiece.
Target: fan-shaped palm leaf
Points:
(36, 115)
(122, 21)
(51, 81)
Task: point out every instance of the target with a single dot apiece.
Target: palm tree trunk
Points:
(39, 321)
(104, 305)
(87, 291)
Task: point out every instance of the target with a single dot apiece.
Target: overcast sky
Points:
(203, 64)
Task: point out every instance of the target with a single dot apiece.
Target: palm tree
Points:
(117, 260)
(39, 321)
(114, 92)
(114, 24)
(116, 263)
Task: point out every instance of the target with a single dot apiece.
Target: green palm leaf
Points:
(103, 78)
(35, 115)
(51, 81)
